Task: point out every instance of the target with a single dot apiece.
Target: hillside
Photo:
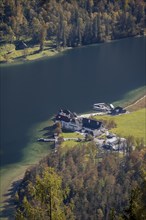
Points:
(89, 185)
(83, 181)
(92, 183)
(25, 24)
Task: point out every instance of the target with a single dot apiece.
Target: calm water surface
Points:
(32, 92)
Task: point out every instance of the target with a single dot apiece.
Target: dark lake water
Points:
(32, 92)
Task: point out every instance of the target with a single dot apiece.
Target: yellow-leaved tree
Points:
(45, 198)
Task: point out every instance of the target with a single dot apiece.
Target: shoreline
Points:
(41, 56)
(14, 179)
(131, 97)
(51, 52)
(7, 206)
(12, 174)
(136, 102)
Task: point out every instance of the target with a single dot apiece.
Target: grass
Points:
(68, 144)
(6, 49)
(71, 143)
(8, 53)
(71, 135)
(132, 124)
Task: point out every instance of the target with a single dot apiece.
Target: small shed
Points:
(92, 126)
(118, 110)
(21, 45)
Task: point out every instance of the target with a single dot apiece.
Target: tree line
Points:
(84, 183)
(70, 22)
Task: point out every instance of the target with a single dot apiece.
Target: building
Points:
(21, 45)
(114, 143)
(92, 126)
(118, 110)
(108, 109)
(67, 113)
(69, 121)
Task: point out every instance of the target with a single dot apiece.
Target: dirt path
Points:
(140, 103)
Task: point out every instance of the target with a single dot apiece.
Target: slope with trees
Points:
(70, 22)
(97, 185)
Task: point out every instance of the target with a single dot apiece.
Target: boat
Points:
(46, 140)
(103, 107)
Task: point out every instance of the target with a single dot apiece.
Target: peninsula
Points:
(135, 108)
(83, 168)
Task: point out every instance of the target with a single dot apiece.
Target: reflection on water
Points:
(31, 93)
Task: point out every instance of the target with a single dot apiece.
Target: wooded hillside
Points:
(88, 185)
(70, 22)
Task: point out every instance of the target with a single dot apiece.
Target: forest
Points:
(70, 22)
(80, 182)
(84, 183)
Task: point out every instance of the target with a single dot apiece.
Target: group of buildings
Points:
(71, 122)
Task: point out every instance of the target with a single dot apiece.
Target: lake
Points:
(33, 92)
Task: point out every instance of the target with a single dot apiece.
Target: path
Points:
(91, 114)
(131, 105)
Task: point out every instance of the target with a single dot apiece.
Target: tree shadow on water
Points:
(9, 204)
(48, 131)
(49, 128)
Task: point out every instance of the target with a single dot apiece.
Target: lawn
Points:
(70, 143)
(71, 135)
(9, 54)
(132, 124)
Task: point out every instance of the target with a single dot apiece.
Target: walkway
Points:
(135, 103)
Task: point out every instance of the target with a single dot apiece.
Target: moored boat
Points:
(103, 107)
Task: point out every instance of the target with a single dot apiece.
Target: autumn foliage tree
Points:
(101, 184)
(45, 198)
(70, 23)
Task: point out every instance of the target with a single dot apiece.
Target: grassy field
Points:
(71, 135)
(8, 53)
(70, 143)
(132, 124)
(66, 145)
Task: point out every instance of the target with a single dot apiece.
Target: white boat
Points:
(46, 140)
(103, 107)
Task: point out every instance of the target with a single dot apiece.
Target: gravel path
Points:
(136, 103)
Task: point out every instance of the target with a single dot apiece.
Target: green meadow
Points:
(71, 135)
(8, 53)
(131, 124)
